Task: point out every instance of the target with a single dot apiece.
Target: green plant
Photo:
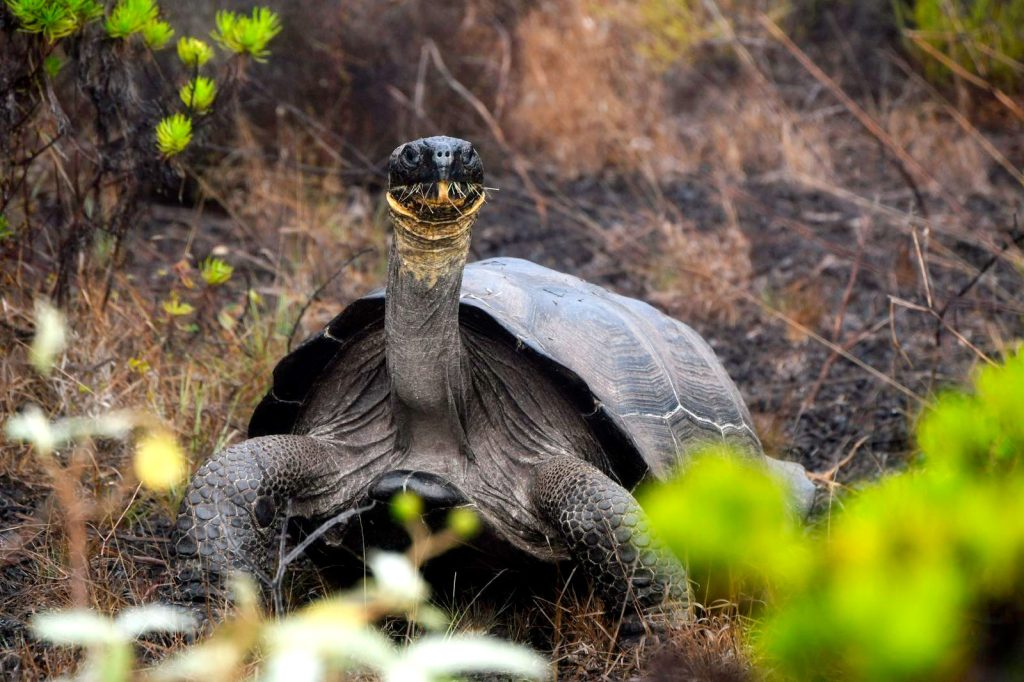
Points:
(129, 17)
(173, 134)
(333, 634)
(983, 37)
(156, 34)
(125, 162)
(247, 34)
(894, 586)
(336, 634)
(198, 94)
(52, 65)
(193, 52)
(214, 271)
(54, 19)
(723, 496)
(175, 307)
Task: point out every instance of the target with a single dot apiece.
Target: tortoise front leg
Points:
(232, 515)
(608, 537)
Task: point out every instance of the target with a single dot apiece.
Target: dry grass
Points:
(932, 137)
(695, 273)
(590, 108)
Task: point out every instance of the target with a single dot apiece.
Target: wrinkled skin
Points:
(431, 403)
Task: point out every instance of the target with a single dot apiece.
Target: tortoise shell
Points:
(650, 387)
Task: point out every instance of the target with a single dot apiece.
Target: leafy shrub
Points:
(897, 584)
(84, 91)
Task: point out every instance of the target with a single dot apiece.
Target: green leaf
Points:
(193, 52)
(464, 522)
(52, 65)
(247, 34)
(719, 497)
(175, 307)
(215, 271)
(406, 507)
(52, 19)
(157, 34)
(129, 17)
(173, 134)
(198, 95)
(85, 10)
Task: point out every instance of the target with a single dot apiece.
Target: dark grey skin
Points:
(535, 398)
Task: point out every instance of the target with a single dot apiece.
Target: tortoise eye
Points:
(410, 155)
(468, 156)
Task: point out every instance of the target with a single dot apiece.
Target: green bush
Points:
(897, 584)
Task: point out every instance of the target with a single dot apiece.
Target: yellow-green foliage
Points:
(194, 52)
(156, 34)
(215, 271)
(54, 19)
(247, 35)
(198, 94)
(892, 586)
(719, 498)
(173, 134)
(985, 37)
(670, 29)
(130, 16)
(240, 34)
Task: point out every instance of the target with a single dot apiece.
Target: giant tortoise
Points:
(530, 395)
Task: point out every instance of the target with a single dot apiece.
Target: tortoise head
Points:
(435, 185)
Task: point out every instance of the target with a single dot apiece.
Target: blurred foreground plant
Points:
(336, 634)
(898, 584)
(110, 641)
(159, 461)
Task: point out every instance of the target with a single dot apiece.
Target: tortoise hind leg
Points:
(232, 515)
(608, 537)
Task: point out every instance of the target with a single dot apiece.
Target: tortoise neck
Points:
(424, 347)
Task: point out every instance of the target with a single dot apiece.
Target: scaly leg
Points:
(607, 535)
(232, 516)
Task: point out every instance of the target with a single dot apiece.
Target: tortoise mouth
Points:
(437, 202)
